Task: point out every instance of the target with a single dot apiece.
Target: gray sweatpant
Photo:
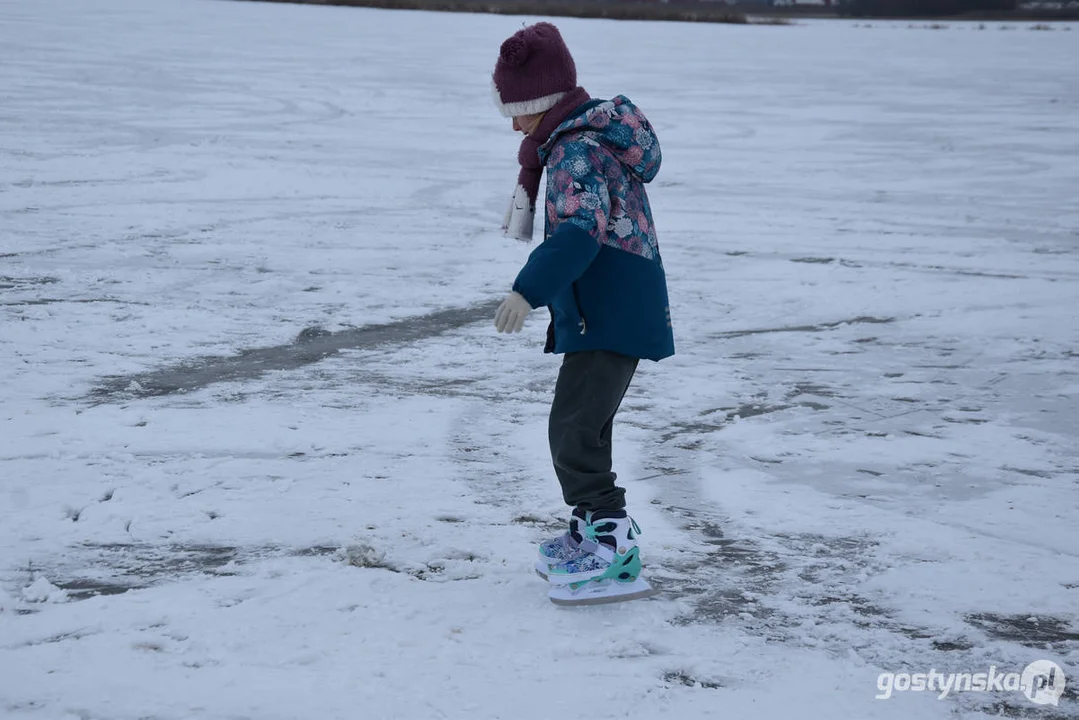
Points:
(590, 388)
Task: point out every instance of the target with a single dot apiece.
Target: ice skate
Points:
(606, 567)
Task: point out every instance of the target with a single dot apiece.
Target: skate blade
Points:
(602, 593)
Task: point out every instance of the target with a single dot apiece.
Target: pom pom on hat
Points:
(514, 51)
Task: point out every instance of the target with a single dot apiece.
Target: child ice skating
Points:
(599, 272)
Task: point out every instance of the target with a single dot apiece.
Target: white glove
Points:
(510, 317)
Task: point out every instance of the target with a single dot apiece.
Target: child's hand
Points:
(510, 317)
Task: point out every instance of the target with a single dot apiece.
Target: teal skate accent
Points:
(636, 529)
(590, 531)
(628, 565)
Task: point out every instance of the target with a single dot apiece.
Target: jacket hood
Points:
(620, 127)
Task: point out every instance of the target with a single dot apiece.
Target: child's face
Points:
(526, 123)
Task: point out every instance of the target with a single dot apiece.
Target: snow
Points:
(41, 590)
(863, 458)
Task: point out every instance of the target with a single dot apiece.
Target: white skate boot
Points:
(606, 566)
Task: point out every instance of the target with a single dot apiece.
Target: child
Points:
(599, 272)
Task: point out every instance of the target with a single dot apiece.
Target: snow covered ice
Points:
(262, 454)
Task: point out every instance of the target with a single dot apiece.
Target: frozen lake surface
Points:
(262, 454)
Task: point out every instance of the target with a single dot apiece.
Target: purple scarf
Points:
(528, 155)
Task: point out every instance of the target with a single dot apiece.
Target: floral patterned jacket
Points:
(599, 268)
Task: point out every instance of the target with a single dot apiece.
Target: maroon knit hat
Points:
(534, 71)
